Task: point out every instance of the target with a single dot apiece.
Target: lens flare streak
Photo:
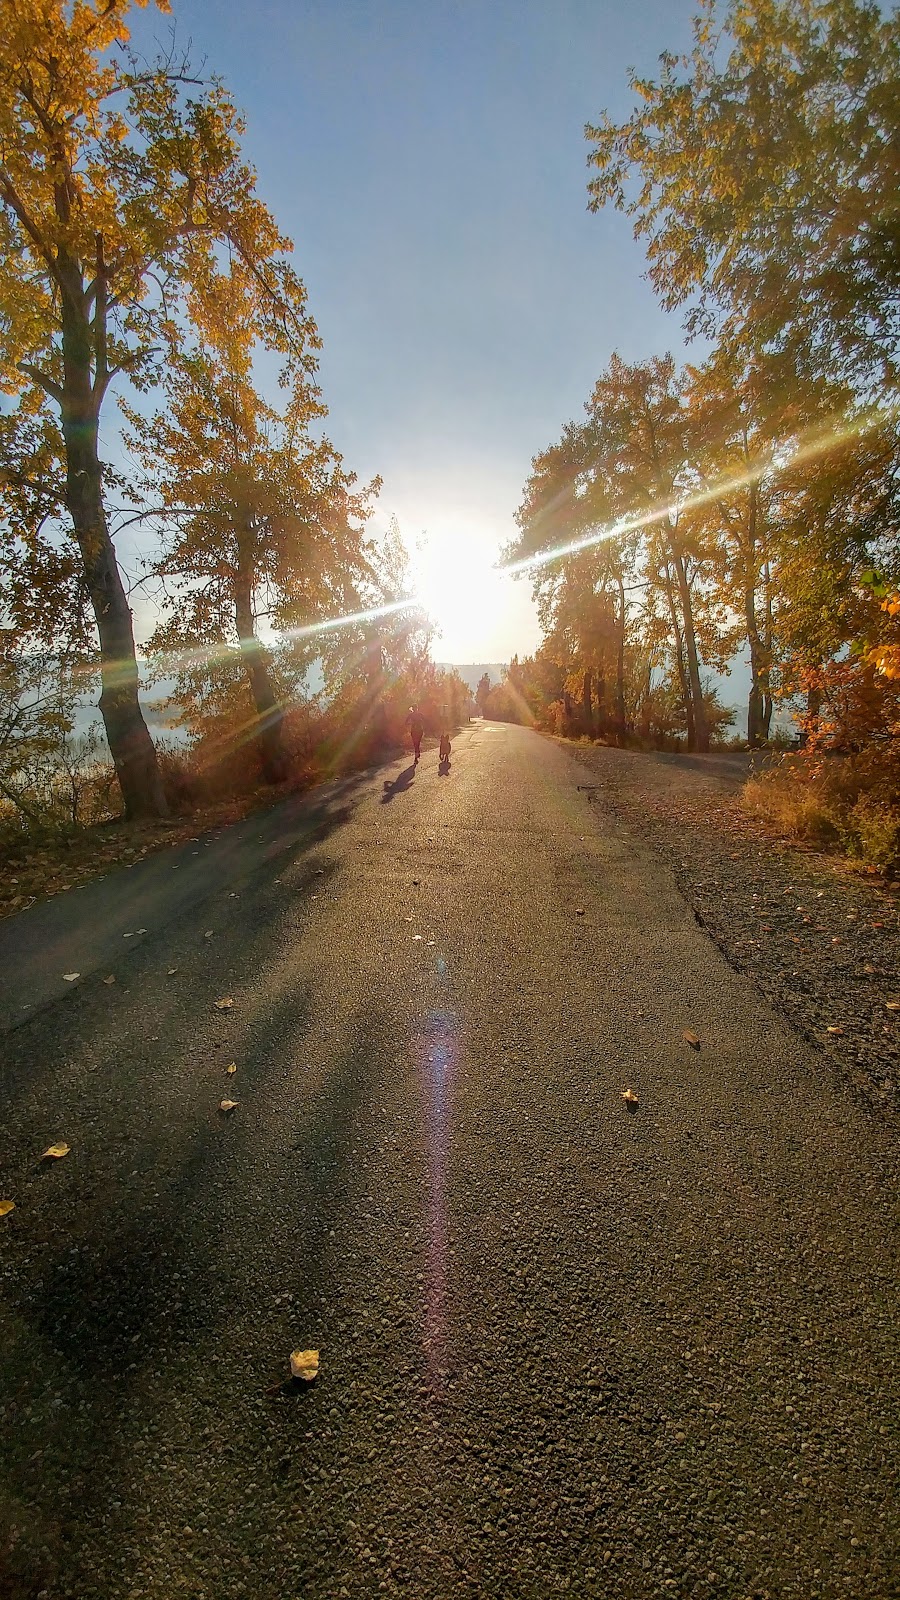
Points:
(814, 445)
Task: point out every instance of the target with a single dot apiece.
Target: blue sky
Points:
(428, 160)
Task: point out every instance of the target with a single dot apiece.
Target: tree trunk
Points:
(620, 664)
(586, 700)
(767, 708)
(256, 666)
(758, 673)
(813, 710)
(679, 662)
(130, 744)
(701, 731)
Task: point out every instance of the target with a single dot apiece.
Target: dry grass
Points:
(845, 803)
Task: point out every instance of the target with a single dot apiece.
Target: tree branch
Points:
(43, 381)
(101, 366)
(16, 204)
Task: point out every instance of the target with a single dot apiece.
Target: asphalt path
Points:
(566, 1346)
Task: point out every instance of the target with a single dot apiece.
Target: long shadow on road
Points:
(84, 928)
(168, 1227)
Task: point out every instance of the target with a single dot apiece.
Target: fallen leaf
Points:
(690, 1038)
(55, 1152)
(579, 911)
(416, 936)
(6, 1206)
(835, 1030)
(630, 1098)
(231, 1067)
(171, 972)
(208, 934)
(69, 977)
(224, 1004)
(142, 930)
(110, 979)
(305, 1364)
(228, 1105)
(893, 1005)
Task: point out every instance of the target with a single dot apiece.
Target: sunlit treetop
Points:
(761, 171)
(122, 184)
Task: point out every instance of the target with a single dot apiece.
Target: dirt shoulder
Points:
(821, 943)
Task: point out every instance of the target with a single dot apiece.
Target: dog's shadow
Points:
(399, 784)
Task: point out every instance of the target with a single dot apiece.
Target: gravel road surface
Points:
(566, 1347)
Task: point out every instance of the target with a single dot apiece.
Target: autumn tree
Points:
(761, 171)
(744, 419)
(118, 185)
(482, 691)
(620, 471)
(260, 526)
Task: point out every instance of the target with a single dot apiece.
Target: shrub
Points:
(849, 802)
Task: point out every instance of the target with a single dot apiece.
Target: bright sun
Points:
(460, 589)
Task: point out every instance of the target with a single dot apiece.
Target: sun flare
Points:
(460, 587)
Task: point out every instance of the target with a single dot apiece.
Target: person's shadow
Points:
(399, 785)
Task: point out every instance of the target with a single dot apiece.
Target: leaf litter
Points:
(305, 1365)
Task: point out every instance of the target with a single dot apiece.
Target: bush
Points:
(848, 802)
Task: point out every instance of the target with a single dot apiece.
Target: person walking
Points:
(416, 730)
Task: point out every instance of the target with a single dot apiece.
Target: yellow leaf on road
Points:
(228, 1105)
(690, 1038)
(54, 1152)
(305, 1364)
(231, 1067)
(224, 1004)
(835, 1030)
(110, 979)
(69, 977)
(630, 1098)
(6, 1206)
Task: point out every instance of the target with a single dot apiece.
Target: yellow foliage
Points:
(885, 658)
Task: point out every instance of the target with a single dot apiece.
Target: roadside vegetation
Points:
(745, 504)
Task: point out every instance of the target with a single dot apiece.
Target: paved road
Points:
(565, 1347)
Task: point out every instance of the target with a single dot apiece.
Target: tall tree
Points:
(761, 169)
(115, 190)
(261, 527)
(627, 463)
(742, 420)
